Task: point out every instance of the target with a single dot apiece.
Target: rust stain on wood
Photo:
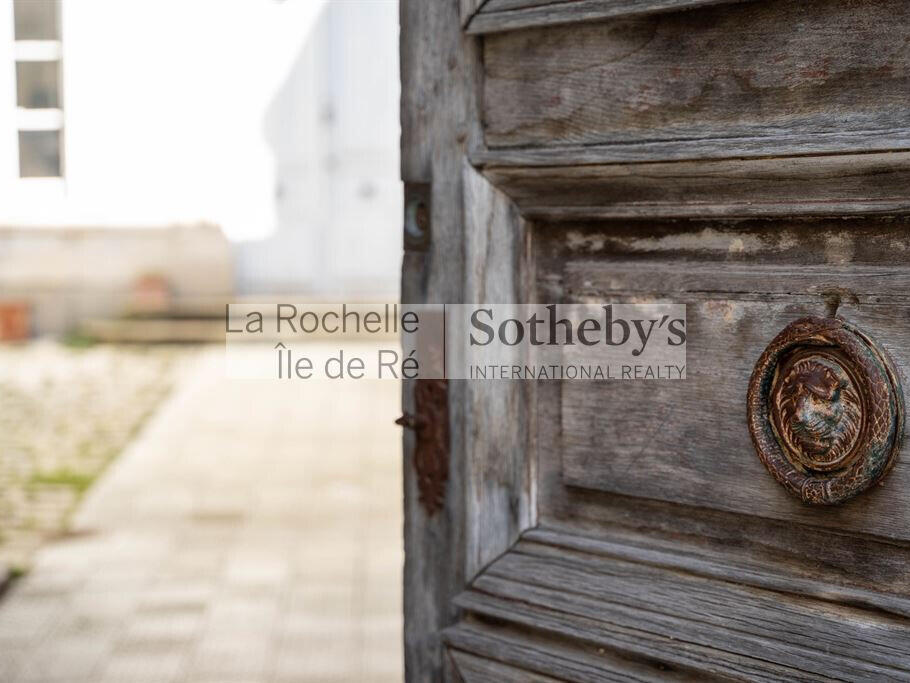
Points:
(431, 454)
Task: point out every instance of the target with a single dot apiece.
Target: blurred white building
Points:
(277, 122)
(333, 130)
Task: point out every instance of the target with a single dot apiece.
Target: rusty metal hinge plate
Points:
(430, 423)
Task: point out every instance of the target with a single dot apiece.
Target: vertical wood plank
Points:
(439, 67)
(500, 474)
(481, 256)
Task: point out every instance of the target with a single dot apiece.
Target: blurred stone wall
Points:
(68, 275)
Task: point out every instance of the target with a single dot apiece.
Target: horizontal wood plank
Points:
(500, 5)
(864, 243)
(817, 638)
(645, 151)
(808, 77)
(509, 15)
(711, 284)
(474, 669)
(784, 559)
(497, 602)
(837, 185)
(507, 655)
(629, 607)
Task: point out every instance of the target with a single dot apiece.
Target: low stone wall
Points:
(68, 275)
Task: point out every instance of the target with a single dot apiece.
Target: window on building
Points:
(39, 92)
(39, 153)
(37, 20)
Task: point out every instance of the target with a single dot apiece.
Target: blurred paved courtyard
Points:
(251, 532)
(65, 412)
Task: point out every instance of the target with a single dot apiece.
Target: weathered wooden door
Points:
(751, 160)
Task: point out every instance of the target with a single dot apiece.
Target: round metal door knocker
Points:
(826, 410)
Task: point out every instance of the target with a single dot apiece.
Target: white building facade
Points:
(277, 122)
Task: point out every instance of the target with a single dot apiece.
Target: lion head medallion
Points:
(825, 410)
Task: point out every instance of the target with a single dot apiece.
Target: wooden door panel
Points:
(749, 159)
(629, 560)
(718, 628)
(687, 442)
(765, 70)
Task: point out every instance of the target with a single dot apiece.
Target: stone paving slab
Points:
(252, 532)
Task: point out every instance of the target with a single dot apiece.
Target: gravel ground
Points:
(65, 413)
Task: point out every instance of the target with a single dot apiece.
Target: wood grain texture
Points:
(712, 79)
(837, 185)
(468, 8)
(474, 669)
(777, 557)
(842, 243)
(802, 568)
(509, 15)
(438, 67)
(665, 550)
(717, 628)
(476, 253)
(687, 442)
(803, 560)
(742, 282)
(499, 478)
(500, 5)
(781, 145)
(499, 652)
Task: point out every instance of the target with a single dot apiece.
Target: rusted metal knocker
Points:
(825, 410)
